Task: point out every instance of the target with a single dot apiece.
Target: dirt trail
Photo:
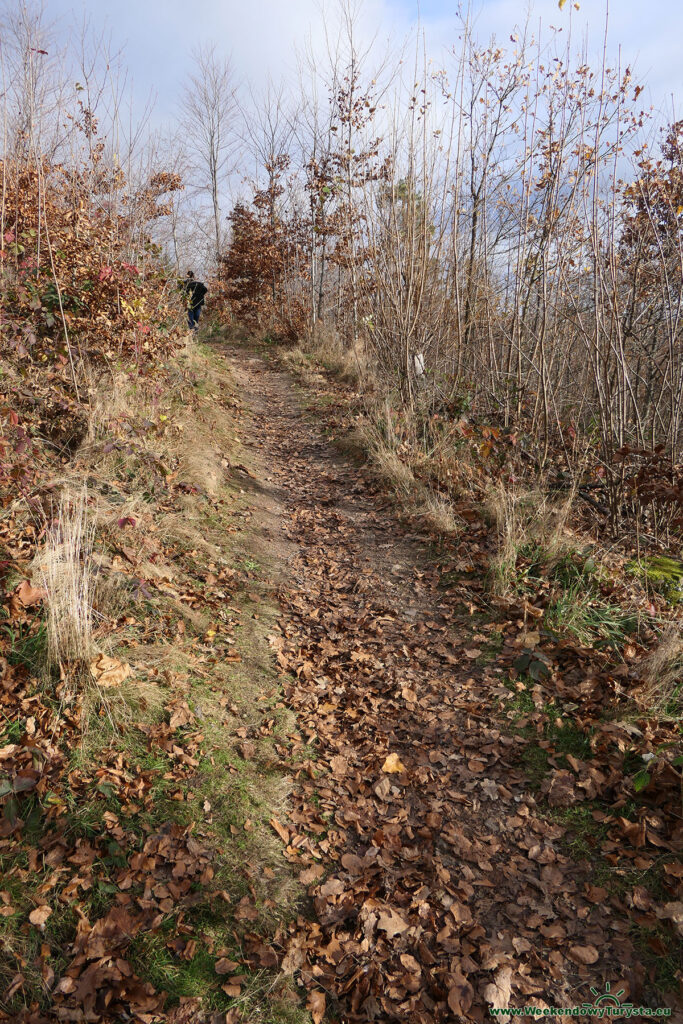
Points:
(438, 886)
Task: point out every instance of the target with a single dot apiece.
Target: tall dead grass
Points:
(349, 361)
(437, 512)
(385, 460)
(109, 399)
(66, 571)
(662, 673)
(525, 517)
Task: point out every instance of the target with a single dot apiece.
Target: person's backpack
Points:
(198, 293)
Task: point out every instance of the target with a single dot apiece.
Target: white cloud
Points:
(263, 36)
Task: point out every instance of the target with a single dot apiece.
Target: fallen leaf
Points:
(28, 595)
(280, 829)
(460, 994)
(586, 955)
(392, 923)
(181, 716)
(560, 789)
(108, 671)
(309, 875)
(497, 993)
(672, 912)
(225, 966)
(339, 765)
(14, 986)
(393, 764)
(39, 916)
(316, 1004)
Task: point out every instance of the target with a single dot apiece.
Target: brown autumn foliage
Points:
(253, 271)
(82, 289)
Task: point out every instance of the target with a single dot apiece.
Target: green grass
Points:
(151, 958)
(553, 734)
(583, 838)
(520, 704)
(591, 622)
(665, 967)
(11, 732)
(577, 608)
(567, 738)
(535, 762)
(532, 564)
(27, 645)
(672, 705)
(573, 568)
(490, 648)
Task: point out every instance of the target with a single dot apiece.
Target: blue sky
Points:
(262, 35)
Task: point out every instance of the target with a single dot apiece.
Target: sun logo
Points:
(606, 998)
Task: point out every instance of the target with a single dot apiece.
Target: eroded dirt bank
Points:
(441, 883)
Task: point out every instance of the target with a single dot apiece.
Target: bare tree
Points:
(209, 113)
(34, 78)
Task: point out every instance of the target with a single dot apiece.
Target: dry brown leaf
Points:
(497, 993)
(28, 595)
(332, 887)
(316, 1004)
(393, 765)
(673, 912)
(392, 923)
(108, 671)
(560, 789)
(353, 864)
(460, 994)
(181, 716)
(339, 764)
(39, 916)
(225, 966)
(586, 955)
(383, 788)
(281, 830)
(310, 874)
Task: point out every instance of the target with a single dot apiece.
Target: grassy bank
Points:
(145, 747)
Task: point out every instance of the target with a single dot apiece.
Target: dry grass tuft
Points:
(525, 517)
(438, 512)
(387, 463)
(300, 361)
(109, 400)
(66, 571)
(200, 465)
(662, 672)
(350, 363)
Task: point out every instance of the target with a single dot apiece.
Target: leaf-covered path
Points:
(440, 886)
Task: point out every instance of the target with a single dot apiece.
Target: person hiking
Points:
(195, 291)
